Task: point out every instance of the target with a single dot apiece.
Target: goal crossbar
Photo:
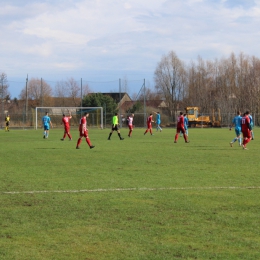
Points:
(65, 110)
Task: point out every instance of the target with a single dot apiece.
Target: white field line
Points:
(134, 189)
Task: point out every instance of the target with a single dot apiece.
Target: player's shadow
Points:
(48, 148)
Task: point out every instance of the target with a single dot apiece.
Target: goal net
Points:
(95, 118)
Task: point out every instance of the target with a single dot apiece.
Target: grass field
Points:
(141, 198)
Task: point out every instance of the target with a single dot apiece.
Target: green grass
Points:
(141, 198)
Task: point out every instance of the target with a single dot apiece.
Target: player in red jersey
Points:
(130, 120)
(83, 131)
(180, 128)
(149, 122)
(246, 129)
(66, 122)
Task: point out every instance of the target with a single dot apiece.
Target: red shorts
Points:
(85, 134)
(66, 129)
(130, 127)
(149, 126)
(180, 130)
(246, 133)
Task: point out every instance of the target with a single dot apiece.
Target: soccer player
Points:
(149, 122)
(237, 123)
(246, 129)
(158, 121)
(180, 129)
(66, 122)
(115, 127)
(186, 124)
(46, 121)
(252, 124)
(130, 120)
(7, 123)
(83, 131)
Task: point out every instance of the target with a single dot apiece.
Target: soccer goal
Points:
(95, 118)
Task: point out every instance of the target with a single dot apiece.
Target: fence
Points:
(21, 120)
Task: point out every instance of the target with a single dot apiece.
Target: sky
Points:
(101, 42)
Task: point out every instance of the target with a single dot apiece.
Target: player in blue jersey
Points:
(252, 124)
(186, 124)
(46, 122)
(158, 121)
(237, 123)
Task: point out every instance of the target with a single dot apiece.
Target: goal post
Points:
(95, 118)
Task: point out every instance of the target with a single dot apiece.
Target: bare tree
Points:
(69, 92)
(170, 79)
(4, 93)
(39, 91)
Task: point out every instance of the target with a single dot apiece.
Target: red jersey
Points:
(245, 123)
(149, 119)
(83, 124)
(66, 121)
(180, 123)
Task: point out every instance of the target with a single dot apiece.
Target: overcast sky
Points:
(103, 40)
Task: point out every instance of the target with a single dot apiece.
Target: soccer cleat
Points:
(44, 136)
(122, 138)
(92, 146)
(187, 141)
(175, 141)
(70, 139)
(231, 144)
(77, 147)
(62, 139)
(108, 139)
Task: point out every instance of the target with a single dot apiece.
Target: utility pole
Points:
(26, 100)
(144, 105)
(41, 94)
(2, 103)
(120, 119)
(81, 97)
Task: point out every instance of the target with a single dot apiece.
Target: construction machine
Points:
(197, 120)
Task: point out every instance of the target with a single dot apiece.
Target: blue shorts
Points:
(238, 131)
(46, 127)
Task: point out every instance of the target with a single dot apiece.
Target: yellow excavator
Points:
(197, 120)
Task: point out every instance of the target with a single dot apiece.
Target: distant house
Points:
(155, 104)
(124, 102)
(119, 98)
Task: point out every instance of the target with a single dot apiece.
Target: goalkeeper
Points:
(115, 127)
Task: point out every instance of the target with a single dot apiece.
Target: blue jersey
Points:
(158, 119)
(251, 120)
(237, 121)
(46, 120)
(186, 123)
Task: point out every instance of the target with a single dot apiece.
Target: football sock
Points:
(88, 141)
(119, 135)
(109, 135)
(234, 140)
(79, 141)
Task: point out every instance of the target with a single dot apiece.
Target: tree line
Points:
(229, 84)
